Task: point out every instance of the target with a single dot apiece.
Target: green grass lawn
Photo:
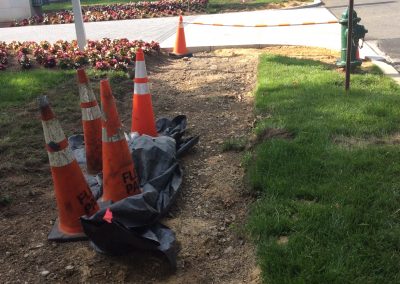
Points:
(214, 6)
(21, 134)
(18, 87)
(67, 5)
(334, 189)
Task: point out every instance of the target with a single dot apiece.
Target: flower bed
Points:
(132, 10)
(3, 56)
(105, 54)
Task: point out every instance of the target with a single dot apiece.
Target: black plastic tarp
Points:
(133, 223)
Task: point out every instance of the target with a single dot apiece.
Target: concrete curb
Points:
(316, 3)
(383, 62)
(378, 60)
(388, 70)
(195, 49)
(374, 45)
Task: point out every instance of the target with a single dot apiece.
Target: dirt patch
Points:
(358, 142)
(214, 91)
(209, 215)
(282, 240)
(267, 134)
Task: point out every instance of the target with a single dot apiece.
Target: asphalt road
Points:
(381, 19)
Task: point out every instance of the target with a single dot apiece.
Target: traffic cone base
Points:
(179, 56)
(73, 196)
(180, 49)
(57, 235)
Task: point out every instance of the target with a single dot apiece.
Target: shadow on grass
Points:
(367, 68)
(336, 207)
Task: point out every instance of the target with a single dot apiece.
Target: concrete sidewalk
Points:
(202, 37)
(157, 29)
(310, 35)
(208, 37)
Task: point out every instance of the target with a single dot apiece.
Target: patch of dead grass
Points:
(363, 142)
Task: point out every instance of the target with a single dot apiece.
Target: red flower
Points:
(130, 10)
(105, 54)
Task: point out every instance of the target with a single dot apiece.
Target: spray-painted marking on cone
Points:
(141, 89)
(131, 182)
(87, 201)
(262, 25)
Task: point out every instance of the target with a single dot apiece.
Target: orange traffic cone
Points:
(119, 175)
(180, 49)
(91, 121)
(73, 196)
(142, 108)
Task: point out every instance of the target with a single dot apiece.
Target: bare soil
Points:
(215, 91)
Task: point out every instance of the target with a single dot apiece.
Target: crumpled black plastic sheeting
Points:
(175, 128)
(134, 223)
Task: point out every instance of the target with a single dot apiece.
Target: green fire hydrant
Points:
(358, 33)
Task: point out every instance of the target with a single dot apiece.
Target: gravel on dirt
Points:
(215, 91)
